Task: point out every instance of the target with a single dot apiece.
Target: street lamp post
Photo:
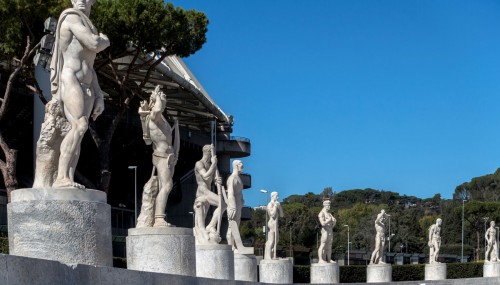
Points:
(389, 231)
(135, 192)
(192, 214)
(498, 240)
(348, 242)
(290, 224)
(265, 209)
(462, 256)
(390, 237)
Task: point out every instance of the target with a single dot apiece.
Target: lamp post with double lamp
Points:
(348, 242)
(265, 209)
(135, 192)
(498, 240)
(390, 237)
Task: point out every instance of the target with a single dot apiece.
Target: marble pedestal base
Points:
(215, 261)
(278, 271)
(64, 224)
(245, 267)
(435, 271)
(322, 273)
(378, 273)
(166, 250)
(491, 269)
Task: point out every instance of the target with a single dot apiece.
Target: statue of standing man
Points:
(75, 91)
(378, 253)
(274, 211)
(491, 241)
(157, 130)
(328, 222)
(435, 241)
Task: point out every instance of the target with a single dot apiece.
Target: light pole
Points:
(348, 242)
(135, 192)
(463, 206)
(265, 209)
(389, 231)
(390, 237)
(192, 214)
(290, 224)
(485, 219)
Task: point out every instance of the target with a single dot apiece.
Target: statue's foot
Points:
(322, 261)
(159, 222)
(381, 262)
(332, 261)
(66, 182)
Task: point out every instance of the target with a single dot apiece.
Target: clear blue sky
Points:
(394, 95)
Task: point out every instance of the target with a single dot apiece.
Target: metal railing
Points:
(243, 139)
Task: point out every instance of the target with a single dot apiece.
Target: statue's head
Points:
(439, 221)
(207, 150)
(326, 204)
(274, 196)
(83, 5)
(492, 224)
(158, 97)
(238, 165)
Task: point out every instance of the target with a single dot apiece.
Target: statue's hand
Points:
(213, 160)
(218, 180)
(98, 108)
(231, 212)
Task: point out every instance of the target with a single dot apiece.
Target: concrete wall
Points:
(15, 270)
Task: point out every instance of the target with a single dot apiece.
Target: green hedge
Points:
(464, 270)
(409, 272)
(4, 245)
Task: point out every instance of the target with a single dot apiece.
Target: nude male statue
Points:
(234, 199)
(274, 211)
(327, 222)
(205, 170)
(74, 82)
(491, 240)
(379, 239)
(157, 130)
(435, 241)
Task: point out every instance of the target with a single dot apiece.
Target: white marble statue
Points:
(327, 222)
(205, 171)
(435, 241)
(75, 91)
(234, 206)
(157, 130)
(492, 243)
(274, 211)
(378, 253)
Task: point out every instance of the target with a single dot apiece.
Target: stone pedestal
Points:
(245, 267)
(278, 271)
(435, 271)
(215, 261)
(166, 250)
(491, 269)
(325, 273)
(64, 224)
(378, 273)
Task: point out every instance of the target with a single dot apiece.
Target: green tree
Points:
(137, 29)
(22, 28)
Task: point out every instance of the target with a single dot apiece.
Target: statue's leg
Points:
(269, 245)
(77, 110)
(165, 186)
(213, 199)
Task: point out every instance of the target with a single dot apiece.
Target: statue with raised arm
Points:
(435, 241)
(275, 212)
(165, 140)
(75, 92)
(327, 222)
(492, 243)
(205, 172)
(378, 253)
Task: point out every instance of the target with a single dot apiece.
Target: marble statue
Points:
(491, 240)
(158, 132)
(75, 91)
(205, 171)
(234, 206)
(435, 241)
(327, 222)
(274, 211)
(378, 253)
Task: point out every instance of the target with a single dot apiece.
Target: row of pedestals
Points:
(73, 226)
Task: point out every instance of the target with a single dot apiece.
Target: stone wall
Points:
(16, 270)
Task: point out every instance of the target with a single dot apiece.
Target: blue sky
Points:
(394, 95)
